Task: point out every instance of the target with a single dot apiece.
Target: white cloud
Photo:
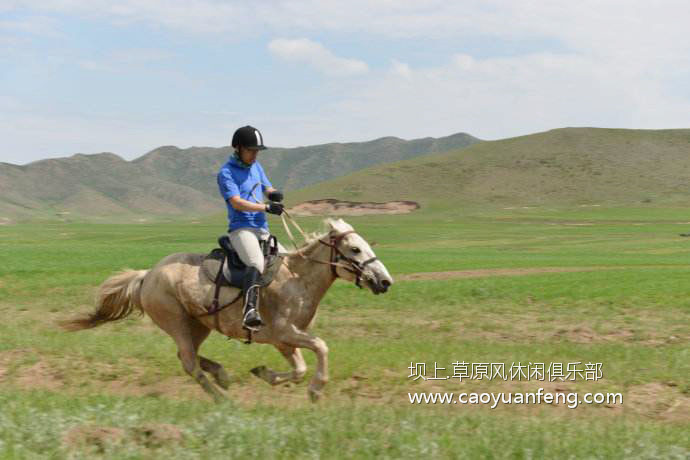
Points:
(641, 33)
(613, 63)
(16, 34)
(608, 24)
(500, 97)
(401, 68)
(316, 55)
(36, 25)
(638, 31)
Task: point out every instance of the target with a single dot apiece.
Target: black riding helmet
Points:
(249, 137)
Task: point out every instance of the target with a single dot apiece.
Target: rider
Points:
(242, 182)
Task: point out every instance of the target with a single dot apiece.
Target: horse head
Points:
(353, 259)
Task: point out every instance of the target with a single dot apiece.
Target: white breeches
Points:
(245, 241)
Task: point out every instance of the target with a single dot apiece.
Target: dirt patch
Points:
(617, 333)
(157, 434)
(179, 388)
(659, 400)
(330, 206)
(530, 326)
(585, 334)
(40, 375)
(129, 377)
(486, 272)
(97, 438)
(8, 358)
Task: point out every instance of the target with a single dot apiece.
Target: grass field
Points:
(591, 284)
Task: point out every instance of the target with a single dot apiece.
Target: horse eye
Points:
(356, 250)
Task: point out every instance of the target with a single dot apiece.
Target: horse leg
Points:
(297, 338)
(191, 365)
(199, 334)
(169, 315)
(294, 357)
(220, 375)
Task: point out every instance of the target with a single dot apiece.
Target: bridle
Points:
(334, 239)
(336, 255)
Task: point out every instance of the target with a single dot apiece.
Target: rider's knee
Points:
(259, 265)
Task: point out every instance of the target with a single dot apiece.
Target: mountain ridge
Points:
(174, 180)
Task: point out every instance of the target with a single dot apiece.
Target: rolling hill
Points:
(173, 181)
(560, 167)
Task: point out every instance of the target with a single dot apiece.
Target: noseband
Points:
(337, 255)
(334, 240)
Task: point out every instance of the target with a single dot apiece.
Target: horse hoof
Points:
(223, 381)
(314, 395)
(259, 371)
(219, 398)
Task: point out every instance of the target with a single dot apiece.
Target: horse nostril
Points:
(385, 283)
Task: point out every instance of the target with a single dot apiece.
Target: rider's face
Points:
(248, 155)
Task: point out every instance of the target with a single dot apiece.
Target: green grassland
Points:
(119, 390)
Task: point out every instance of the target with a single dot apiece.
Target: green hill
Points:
(173, 181)
(293, 168)
(560, 167)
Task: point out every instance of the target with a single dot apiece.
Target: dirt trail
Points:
(330, 206)
(487, 272)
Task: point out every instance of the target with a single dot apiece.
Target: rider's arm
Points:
(271, 192)
(231, 193)
(265, 183)
(241, 204)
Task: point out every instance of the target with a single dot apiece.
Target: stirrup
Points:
(254, 327)
(251, 306)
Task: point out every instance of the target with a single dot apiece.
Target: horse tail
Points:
(116, 298)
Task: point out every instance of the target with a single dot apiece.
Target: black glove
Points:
(274, 208)
(275, 196)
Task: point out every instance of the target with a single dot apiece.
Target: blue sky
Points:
(80, 76)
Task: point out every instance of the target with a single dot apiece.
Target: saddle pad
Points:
(271, 265)
(211, 264)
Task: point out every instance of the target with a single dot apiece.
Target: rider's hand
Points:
(275, 195)
(274, 208)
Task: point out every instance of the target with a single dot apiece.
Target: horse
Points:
(176, 294)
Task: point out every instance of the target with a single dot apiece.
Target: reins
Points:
(334, 261)
(336, 253)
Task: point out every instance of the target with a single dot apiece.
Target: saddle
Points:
(224, 267)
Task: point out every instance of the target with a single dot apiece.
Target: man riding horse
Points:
(240, 180)
(176, 295)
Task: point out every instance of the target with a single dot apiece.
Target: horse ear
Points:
(329, 223)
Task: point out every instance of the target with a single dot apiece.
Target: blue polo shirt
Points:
(234, 178)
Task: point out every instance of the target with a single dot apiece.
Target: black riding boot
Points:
(251, 319)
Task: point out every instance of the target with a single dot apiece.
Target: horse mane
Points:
(328, 224)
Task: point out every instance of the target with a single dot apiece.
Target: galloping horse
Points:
(175, 294)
